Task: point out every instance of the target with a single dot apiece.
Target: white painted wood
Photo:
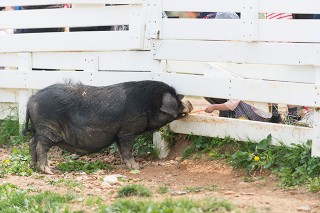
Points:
(203, 6)
(202, 29)
(24, 67)
(289, 30)
(161, 145)
(245, 89)
(108, 60)
(8, 59)
(289, 6)
(8, 95)
(315, 151)
(245, 29)
(239, 52)
(74, 17)
(47, 2)
(153, 18)
(241, 129)
(75, 41)
(249, 20)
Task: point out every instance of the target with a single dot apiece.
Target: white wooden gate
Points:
(278, 60)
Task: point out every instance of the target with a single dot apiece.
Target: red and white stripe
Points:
(278, 16)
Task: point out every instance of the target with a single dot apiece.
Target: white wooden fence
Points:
(278, 60)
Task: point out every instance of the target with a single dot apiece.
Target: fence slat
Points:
(75, 41)
(48, 2)
(75, 17)
(239, 52)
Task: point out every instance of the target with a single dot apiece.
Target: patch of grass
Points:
(13, 199)
(168, 135)
(134, 190)
(314, 185)
(65, 182)
(17, 163)
(93, 201)
(216, 148)
(144, 146)
(169, 205)
(79, 165)
(163, 189)
(201, 188)
(9, 132)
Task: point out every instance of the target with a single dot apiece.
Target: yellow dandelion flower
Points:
(7, 161)
(256, 158)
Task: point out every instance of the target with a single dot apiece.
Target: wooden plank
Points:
(289, 6)
(75, 41)
(202, 29)
(239, 52)
(244, 89)
(286, 73)
(108, 60)
(8, 60)
(74, 17)
(8, 95)
(203, 6)
(48, 2)
(241, 130)
(289, 30)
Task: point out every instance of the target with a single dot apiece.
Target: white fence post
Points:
(316, 123)
(24, 66)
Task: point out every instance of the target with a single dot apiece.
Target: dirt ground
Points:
(260, 193)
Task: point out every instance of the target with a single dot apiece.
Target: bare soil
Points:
(260, 193)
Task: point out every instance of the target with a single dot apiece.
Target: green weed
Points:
(169, 205)
(134, 190)
(144, 146)
(314, 184)
(9, 132)
(13, 199)
(201, 188)
(163, 190)
(65, 182)
(92, 201)
(168, 135)
(79, 165)
(17, 163)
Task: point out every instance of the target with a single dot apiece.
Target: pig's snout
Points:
(187, 107)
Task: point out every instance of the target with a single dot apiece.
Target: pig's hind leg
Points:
(33, 152)
(42, 147)
(125, 145)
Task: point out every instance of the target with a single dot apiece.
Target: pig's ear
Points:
(169, 104)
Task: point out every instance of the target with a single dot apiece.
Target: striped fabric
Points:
(278, 16)
(245, 111)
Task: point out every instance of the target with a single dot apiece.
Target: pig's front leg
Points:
(125, 146)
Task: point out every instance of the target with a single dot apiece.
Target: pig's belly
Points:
(93, 141)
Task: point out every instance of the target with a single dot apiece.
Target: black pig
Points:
(84, 119)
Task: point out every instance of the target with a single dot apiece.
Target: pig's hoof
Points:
(46, 170)
(132, 165)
